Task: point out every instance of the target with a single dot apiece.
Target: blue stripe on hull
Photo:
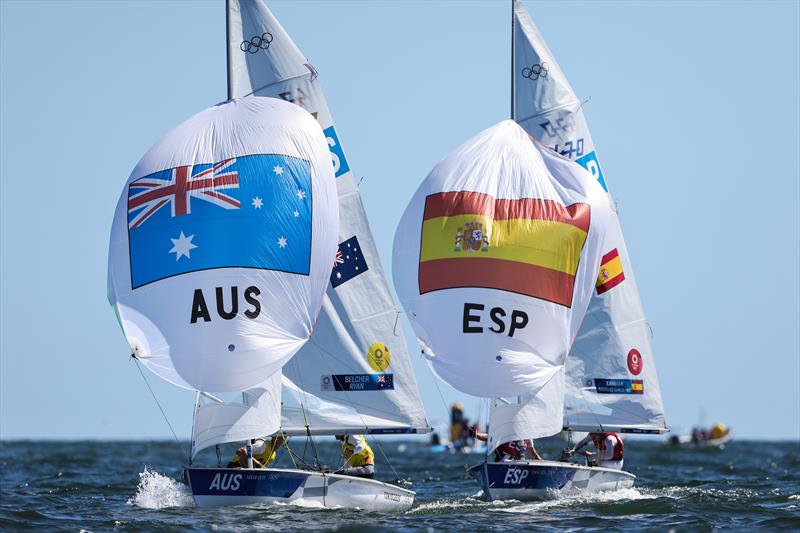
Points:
(521, 476)
(236, 482)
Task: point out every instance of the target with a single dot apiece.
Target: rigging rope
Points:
(386, 458)
(139, 367)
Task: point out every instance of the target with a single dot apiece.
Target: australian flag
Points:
(246, 212)
(349, 262)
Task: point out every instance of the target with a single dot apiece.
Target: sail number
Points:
(472, 315)
(570, 149)
(200, 308)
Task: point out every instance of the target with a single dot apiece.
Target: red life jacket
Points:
(515, 449)
(619, 448)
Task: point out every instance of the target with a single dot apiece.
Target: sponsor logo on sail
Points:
(256, 43)
(527, 246)
(378, 356)
(611, 273)
(618, 386)
(635, 362)
(536, 71)
(357, 382)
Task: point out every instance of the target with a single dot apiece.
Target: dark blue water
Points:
(133, 486)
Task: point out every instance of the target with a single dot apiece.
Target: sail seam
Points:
(254, 91)
(549, 110)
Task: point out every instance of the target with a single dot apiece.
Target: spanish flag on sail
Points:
(611, 273)
(528, 246)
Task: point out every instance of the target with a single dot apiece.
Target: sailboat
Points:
(608, 383)
(353, 375)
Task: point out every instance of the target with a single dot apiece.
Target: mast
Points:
(513, 65)
(228, 46)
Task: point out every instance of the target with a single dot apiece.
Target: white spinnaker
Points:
(497, 305)
(359, 314)
(215, 282)
(615, 330)
(220, 422)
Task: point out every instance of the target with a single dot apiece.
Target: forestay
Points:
(495, 259)
(221, 244)
(357, 358)
(611, 377)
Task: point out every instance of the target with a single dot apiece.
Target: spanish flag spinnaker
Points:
(495, 260)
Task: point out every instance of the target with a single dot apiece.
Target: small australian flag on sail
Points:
(246, 212)
(349, 262)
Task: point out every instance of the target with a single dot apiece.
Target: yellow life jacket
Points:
(364, 457)
(266, 458)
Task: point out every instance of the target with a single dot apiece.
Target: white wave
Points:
(156, 491)
(579, 498)
(443, 504)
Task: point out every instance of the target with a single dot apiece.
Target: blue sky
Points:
(694, 110)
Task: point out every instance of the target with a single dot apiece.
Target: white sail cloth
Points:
(530, 416)
(222, 242)
(611, 377)
(257, 415)
(279, 404)
(495, 259)
(359, 319)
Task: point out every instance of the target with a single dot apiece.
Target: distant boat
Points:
(608, 383)
(344, 369)
(717, 436)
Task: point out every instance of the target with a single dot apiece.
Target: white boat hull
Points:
(542, 480)
(216, 487)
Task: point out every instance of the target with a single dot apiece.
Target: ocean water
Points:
(134, 486)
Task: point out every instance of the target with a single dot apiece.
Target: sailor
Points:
(264, 452)
(608, 446)
(359, 461)
(514, 450)
(457, 424)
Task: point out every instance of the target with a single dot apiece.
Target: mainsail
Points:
(495, 259)
(355, 374)
(611, 379)
(221, 245)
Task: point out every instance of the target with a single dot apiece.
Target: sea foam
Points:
(156, 491)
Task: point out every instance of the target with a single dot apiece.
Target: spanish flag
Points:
(611, 273)
(527, 246)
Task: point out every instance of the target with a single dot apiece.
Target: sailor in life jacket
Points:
(610, 450)
(512, 451)
(264, 453)
(359, 461)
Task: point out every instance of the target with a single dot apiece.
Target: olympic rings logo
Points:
(536, 71)
(259, 42)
